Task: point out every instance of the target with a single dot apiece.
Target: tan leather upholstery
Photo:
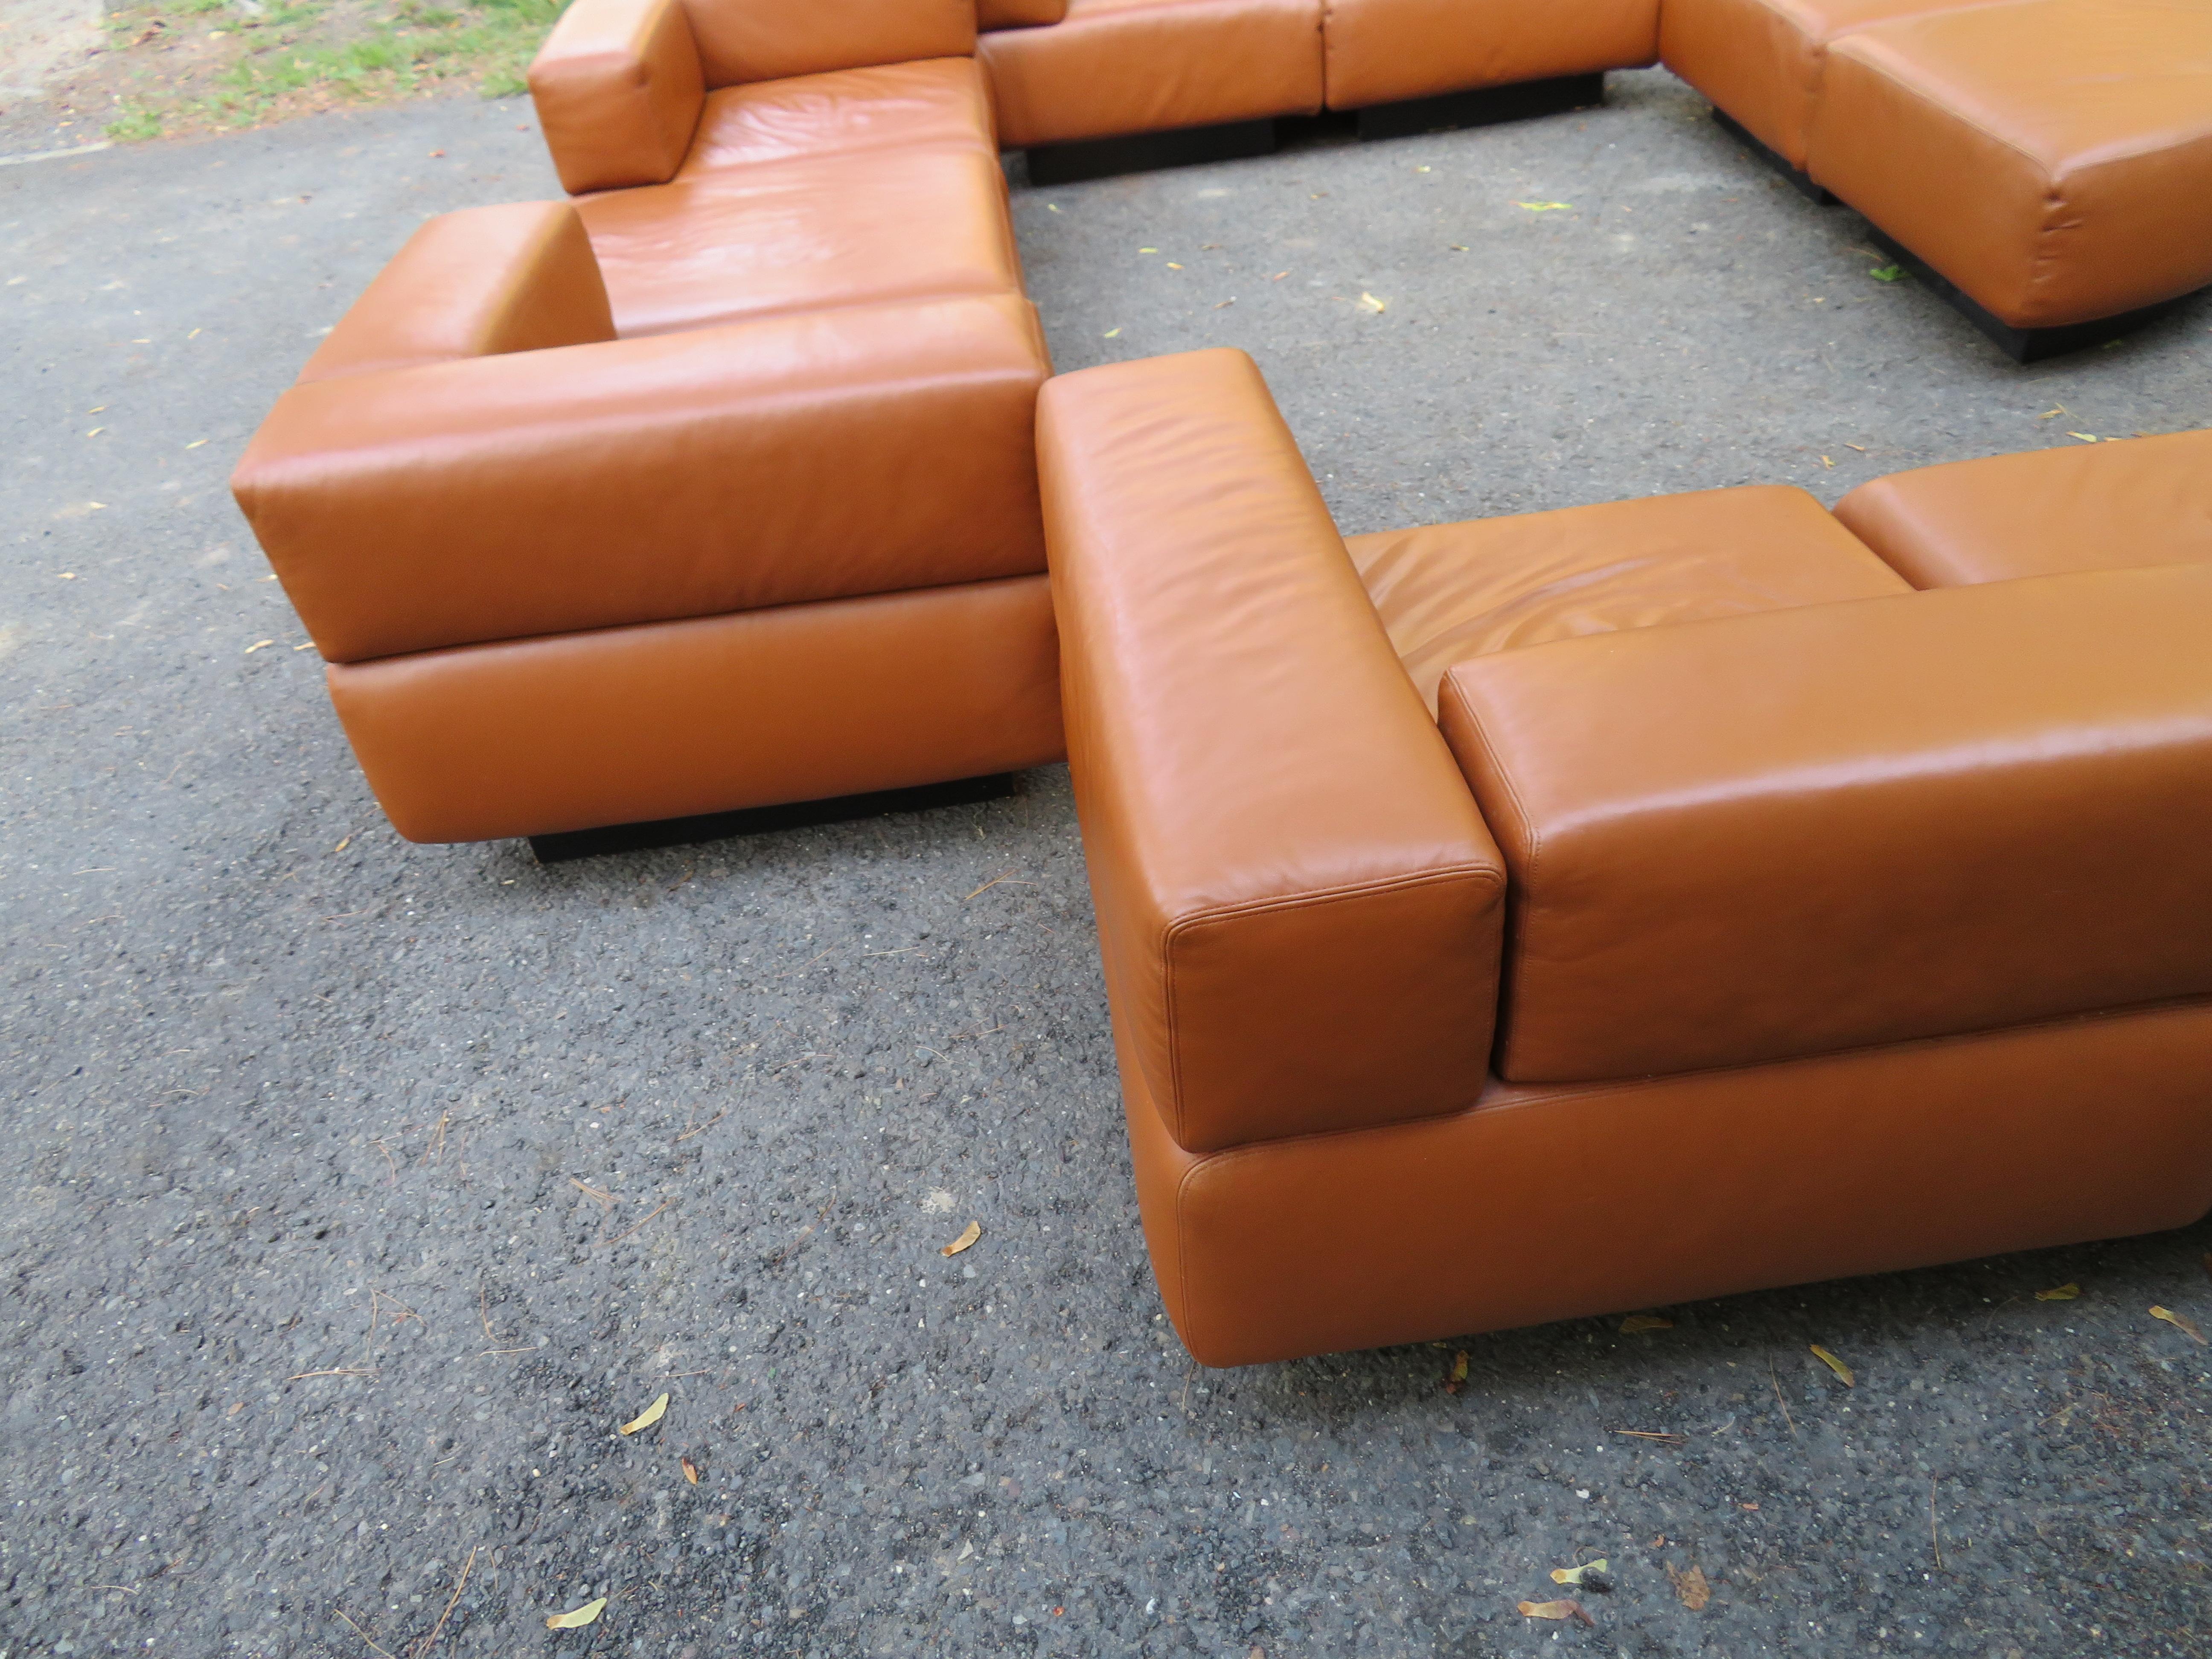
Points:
(941, 102)
(1751, 857)
(1298, 907)
(617, 87)
(1544, 1204)
(1018, 14)
(775, 39)
(1129, 66)
(1841, 825)
(474, 283)
(802, 236)
(1456, 591)
(795, 703)
(1761, 60)
(2087, 506)
(2052, 158)
(840, 453)
(1380, 51)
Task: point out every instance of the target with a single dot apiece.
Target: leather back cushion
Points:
(1771, 836)
(742, 40)
(1018, 14)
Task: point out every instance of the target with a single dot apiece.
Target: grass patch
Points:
(225, 69)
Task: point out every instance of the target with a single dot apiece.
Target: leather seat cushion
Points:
(2052, 158)
(1456, 591)
(803, 235)
(939, 102)
(2092, 507)
(1381, 52)
(1761, 60)
(1127, 66)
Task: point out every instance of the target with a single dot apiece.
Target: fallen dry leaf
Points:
(1457, 1379)
(1836, 1366)
(1690, 1587)
(1546, 207)
(2063, 1293)
(2181, 1322)
(258, 645)
(1636, 1322)
(2086, 437)
(1369, 302)
(1557, 1610)
(576, 1620)
(1575, 1575)
(691, 1471)
(975, 1232)
(646, 1419)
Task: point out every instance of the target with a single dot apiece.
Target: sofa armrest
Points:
(820, 455)
(1779, 836)
(1298, 906)
(619, 91)
(475, 284)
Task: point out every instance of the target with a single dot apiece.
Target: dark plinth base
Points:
(1483, 108)
(1145, 152)
(1802, 182)
(2023, 345)
(761, 820)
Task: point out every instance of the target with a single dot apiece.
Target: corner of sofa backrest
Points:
(1018, 14)
(520, 277)
(747, 41)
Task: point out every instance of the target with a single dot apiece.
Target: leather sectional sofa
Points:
(1502, 921)
(1601, 910)
(2046, 164)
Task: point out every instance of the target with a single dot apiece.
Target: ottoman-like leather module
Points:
(938, 103)
(1841, 825)
(1387, 51)
(803, 236)
(2052, 158)
(1453, 590)
(2101, 507)
(1114, 67)
(1760, 61)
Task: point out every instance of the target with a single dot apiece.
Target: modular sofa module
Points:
(566, 578)
(1753, 916)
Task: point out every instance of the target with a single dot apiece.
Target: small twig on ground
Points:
(361, 1633)
(388, 1159)
(704, 1128)
(605, 1200)
(1667, 1435)
(618, 1237)
(436, 1630)
(1008, 879)
(438, 1144)
(483, 1312)
(1775, 1377)
(336, 1370)
(490, 1352)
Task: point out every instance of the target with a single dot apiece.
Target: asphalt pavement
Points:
(355, 1193)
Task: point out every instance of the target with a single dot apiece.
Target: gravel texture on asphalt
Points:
(355, 1191)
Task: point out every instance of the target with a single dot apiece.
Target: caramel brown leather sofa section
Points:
(1812, 885)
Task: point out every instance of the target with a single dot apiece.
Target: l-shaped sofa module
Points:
(1784, 896)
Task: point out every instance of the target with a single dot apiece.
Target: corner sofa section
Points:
(1689, 954)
